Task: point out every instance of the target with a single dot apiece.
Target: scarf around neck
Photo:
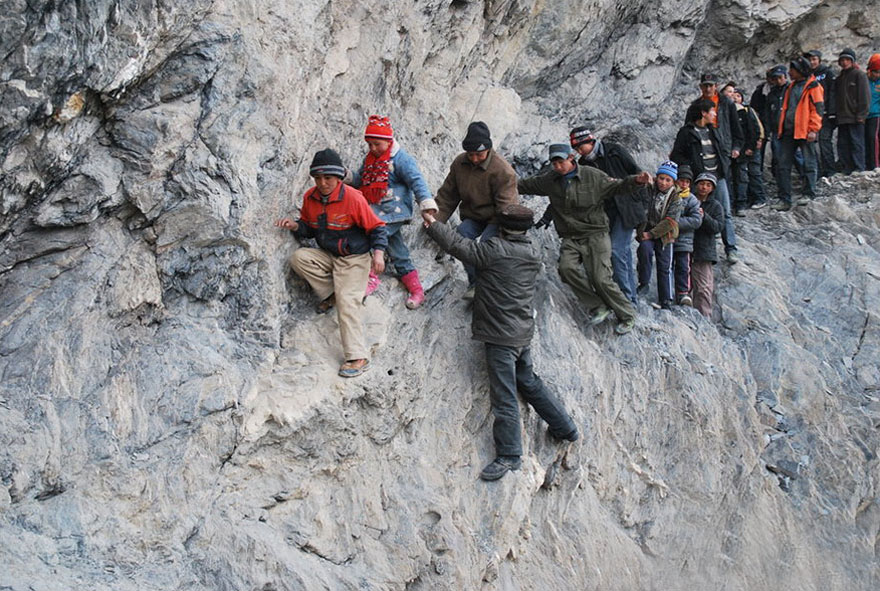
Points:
(374, 180)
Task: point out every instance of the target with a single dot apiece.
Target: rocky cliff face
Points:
(170, 413)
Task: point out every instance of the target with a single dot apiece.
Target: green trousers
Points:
(585, 265)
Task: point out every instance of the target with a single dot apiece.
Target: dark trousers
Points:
(681, 262)
(810, 151)
(872, 143)
(851, 146)
(826, 147)
(648, 251)
(739, 169)
(510, 369)
(756, 193)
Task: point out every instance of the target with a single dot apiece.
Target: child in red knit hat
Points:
(389, 178)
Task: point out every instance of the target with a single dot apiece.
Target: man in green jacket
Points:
(576, 197)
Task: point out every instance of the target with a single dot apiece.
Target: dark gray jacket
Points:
(689, 220)
(705, 236)
(505, 289)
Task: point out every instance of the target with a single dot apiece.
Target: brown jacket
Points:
(482, 190)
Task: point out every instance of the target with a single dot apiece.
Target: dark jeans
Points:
(826, 147)
(474, 229)
(648, 250)
(739, 169)
(851, 146)
(682, 267)
(728, 234)
(510, 369)
(622, 257)
(810, 151)
(776, 144)
(872, 143)
(756, 193)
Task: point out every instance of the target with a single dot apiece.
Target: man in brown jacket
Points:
(480, 184)
(853, 97)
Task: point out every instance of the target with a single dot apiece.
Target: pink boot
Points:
(416, 293)
(372, 284)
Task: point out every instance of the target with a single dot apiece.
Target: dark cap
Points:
(580, 135)
(327, 162)
(685, 172)
(779, 70)
(708, 78)
(477, 138)
(559, 151)
(516, 217)
(801, 65)
(847, 53)
(813, 53)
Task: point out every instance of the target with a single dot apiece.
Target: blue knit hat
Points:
(327, 162)
(669, 167)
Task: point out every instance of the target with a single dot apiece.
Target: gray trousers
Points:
(510, 369)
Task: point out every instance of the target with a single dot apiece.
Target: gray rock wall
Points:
(171, 417)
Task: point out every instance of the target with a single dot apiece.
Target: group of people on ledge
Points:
(600, 201)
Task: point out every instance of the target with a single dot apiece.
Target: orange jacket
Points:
(808, 116)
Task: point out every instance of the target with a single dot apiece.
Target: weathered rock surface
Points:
(170, 417)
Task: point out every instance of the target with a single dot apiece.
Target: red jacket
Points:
(808, 116)
(342, 223)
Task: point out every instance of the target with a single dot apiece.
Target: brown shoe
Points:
(326, 304)
(354, 367)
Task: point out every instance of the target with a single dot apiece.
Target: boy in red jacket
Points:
(340, 220)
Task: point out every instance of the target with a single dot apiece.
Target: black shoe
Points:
(572, 435)
(500, 466)
(667, 305)
(740, 213)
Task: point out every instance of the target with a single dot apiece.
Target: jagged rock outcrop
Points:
(170, 417)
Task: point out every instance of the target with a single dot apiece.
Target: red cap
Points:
(379, 128)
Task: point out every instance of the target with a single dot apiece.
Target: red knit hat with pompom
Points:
(874, 62)
(379, 128)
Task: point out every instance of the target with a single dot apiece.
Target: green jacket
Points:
(577, 203)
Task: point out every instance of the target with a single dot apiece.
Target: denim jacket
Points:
(404, 180)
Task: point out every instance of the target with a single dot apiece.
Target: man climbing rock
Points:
(577, 196)
(503, 318)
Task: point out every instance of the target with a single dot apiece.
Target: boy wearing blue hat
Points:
(657, 234)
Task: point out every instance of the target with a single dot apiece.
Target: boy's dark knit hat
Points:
(706, 176)
(801, 65)
(516, 217)
(849, 53)
(813, 53)
(685, 172)
(580, 135)
(327, 162)
(708, 78)
(477, 138)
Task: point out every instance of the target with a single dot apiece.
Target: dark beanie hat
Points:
(327, 162)
(516, 217)
(685, 172)
(847, 53)
(580, 135)
(477, 138)
(801, 65)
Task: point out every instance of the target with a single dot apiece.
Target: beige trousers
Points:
(347, 278)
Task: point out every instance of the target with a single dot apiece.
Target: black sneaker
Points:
(572, 435)
(500, 466)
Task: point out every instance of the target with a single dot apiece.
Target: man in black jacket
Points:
(624, 212)
(730, 143)
(852, 101)
(503, 318)
(825, 76)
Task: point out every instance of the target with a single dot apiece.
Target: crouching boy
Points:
(340, 220)
(507, 269)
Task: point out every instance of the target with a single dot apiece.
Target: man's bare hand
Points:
(287, 224)
(643, 178)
